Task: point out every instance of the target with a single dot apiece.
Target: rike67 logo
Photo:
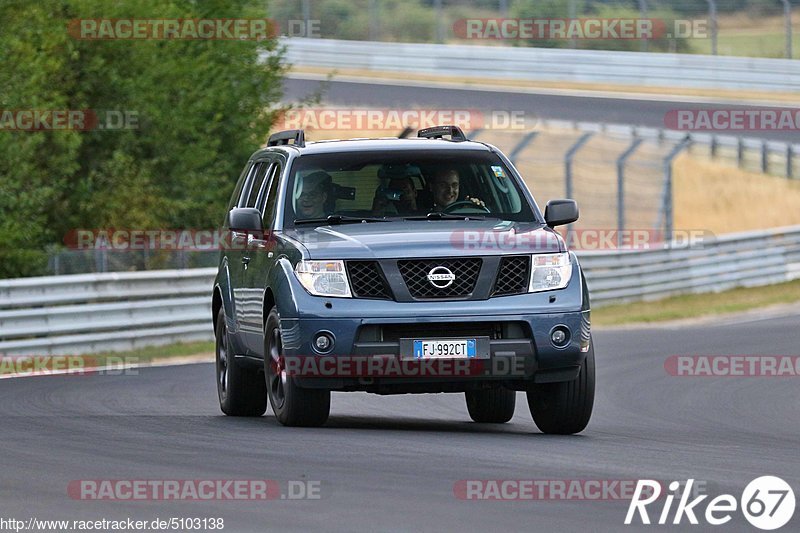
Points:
(767, 502)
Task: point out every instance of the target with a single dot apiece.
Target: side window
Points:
(264, 188)
(257, 181)
(272, 195)
(245, 190)
(240, 184)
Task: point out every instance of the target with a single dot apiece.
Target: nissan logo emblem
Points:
(441, 277)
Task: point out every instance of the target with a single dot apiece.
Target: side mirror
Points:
(560, 212)
(245, 220)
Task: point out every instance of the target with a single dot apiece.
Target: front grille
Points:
(443, 330)
(415, 274)
(512, 276)
(366, 280)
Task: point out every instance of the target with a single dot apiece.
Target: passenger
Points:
(405, 205)
(313, 199)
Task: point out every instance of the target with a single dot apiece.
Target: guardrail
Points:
(88, 313)
(550, 64)
(748, 259)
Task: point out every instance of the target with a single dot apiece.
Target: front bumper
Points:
(518, 328)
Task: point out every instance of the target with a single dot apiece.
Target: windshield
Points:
(391, 185)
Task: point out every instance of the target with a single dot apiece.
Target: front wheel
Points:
(564, 408)
(241, 391)
(292, 405)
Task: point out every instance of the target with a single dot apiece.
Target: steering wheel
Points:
(465, 203)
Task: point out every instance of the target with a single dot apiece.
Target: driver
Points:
(444, 186)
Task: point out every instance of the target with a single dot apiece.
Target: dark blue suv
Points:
(398, 265)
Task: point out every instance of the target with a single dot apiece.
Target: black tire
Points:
(564, 408)
(292, 405)
(491, 406)
(241, 391)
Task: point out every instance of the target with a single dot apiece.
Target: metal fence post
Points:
(569, 156)
(764, 157)
(621, 187)
(103, 260)
(373, 20)
(712, 15)
(643, 14)
(789, 160)
(714, 146)
(437, 4)
(667, 207)
(521, 145)
(787, 14)
(573, 14)
(740, 152)
(306, 7)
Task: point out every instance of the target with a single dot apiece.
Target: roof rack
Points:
(283, 138)
(438, 132)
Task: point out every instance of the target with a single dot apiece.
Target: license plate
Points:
(445, 349)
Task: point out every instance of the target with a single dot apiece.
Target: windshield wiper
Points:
(436, 215)
(337, 219)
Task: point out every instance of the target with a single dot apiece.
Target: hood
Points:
(426, 238)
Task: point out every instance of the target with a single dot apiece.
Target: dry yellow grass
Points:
(708, 195)
(724, 199)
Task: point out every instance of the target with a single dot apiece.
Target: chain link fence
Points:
(620, 176)
(61, 262)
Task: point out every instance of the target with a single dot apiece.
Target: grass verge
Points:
(697, 305)
(149, 354)
(141, 356)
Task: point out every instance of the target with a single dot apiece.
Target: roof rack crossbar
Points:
(283, 138)
(438, 132)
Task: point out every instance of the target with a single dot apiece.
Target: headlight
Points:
(323, 278)
(550, 271)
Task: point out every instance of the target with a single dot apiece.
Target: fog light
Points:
(559, 336)
(323, 343)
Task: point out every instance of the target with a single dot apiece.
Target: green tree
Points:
(202, 108)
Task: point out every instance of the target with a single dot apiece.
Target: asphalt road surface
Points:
(627, 110)
(391, 463)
